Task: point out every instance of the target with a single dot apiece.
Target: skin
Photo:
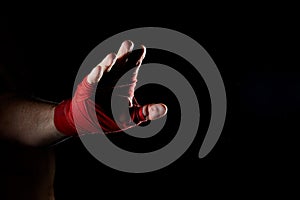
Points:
(31, 122)
(27, 121)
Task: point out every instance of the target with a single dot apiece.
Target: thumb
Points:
(97, 72)
(154, 111)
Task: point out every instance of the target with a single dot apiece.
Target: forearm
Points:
(27, 121)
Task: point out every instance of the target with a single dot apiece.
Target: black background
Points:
(252, 50)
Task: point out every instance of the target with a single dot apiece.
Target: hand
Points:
(102, 81)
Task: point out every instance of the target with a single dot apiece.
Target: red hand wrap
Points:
(88, 116)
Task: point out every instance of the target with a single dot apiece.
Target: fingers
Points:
(155, 111)
(142, 56)
(97, 72)
(122, 56)
(126, 47)
(126, 54)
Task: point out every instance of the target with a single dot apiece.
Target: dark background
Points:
(252, 50)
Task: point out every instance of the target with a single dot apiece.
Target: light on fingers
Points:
(126, 47)
(105, 65)
(155, 111)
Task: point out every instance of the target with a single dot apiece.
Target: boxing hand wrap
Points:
(88, 116)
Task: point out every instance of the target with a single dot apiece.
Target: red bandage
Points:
(90, 117)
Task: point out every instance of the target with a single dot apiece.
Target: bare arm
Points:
(34, 122)
(27, 121)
